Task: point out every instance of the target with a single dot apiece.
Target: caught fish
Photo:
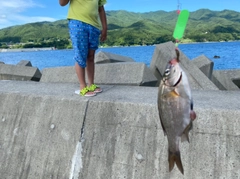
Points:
(175, 108)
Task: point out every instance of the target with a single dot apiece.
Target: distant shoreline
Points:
(27, 49)
(53, 48)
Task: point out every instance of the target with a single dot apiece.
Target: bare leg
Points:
(81, 75)
(90, 67)
(91, 70)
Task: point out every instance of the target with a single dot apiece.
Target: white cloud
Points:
(11, 13)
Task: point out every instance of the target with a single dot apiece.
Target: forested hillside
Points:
(129, 28)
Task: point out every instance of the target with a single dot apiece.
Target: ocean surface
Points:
(229, 53)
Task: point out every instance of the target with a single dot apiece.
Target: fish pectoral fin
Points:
(185, 135)
(176, 92)
(174, 157)
(173, 93)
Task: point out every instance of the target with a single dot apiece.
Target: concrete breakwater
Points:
(47, 131)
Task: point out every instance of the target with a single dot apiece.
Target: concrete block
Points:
(204, 64)
(226, 79)
(59, 75)
(128, 73)
(137, 74)
(106, 57)
(165, 52)
(25, 63)
(20, 73)
(49, 132)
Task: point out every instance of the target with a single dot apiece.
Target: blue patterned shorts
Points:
(83, 37)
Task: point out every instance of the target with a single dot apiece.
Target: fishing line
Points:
(179, 5)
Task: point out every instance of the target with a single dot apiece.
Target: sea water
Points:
(228, 52)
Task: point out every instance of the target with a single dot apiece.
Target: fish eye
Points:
(167, 72)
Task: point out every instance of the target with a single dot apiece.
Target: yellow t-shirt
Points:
(85, 11)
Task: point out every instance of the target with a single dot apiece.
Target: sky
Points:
(19, 12)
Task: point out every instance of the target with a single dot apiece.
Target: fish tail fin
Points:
(174, 157)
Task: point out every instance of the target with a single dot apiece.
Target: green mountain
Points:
(130, 28)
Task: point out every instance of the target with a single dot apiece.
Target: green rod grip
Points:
(181, 24)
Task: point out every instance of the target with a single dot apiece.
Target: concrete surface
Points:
(165, 52)
(226, 79)
(128, 73)
(25, 63)
(204, 64)
(106, 57)
(20, 73)
(47, 131)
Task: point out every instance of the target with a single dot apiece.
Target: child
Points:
(84, 30)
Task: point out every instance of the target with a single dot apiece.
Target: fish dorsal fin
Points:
(164, 130)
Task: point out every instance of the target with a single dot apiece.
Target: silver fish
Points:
(175, 108)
